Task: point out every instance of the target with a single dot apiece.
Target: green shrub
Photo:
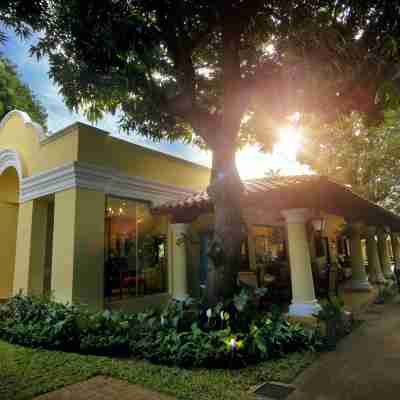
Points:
(337, 322)
(192, 348)
(331, 309)
(38, 322)
(389, 291)
(186, 333)
(275, 336)
(106, 332)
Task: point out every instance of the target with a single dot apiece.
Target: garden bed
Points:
(186, 334)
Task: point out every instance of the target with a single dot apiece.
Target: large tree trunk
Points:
(226, 190)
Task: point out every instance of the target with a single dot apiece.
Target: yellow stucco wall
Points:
(9, 186)
(87, 144)
(8, 229)
(31, 247)
(24, 243)
(36, 157)
(107, 151)
(57, 152)
(78, 248)
(38, 246)
(63, 245)
(8, 235)
(89, 248)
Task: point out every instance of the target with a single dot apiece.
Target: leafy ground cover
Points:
(26, 372)
(186, 334)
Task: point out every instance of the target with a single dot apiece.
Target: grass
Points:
(25, 373)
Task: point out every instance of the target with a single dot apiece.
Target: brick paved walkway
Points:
(365, 365)
(103, 388)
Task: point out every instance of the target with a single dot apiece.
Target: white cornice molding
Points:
(45, 183)
(10, 158)
(26, 119)
(106, 180)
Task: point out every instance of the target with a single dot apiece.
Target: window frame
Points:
(165, 274)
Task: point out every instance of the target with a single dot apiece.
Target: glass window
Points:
(269, 244)
(136, 249)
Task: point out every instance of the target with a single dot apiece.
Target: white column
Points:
(179, 284)
(376, 275)
(31, 247)
(394, 236)
(359, 279)
(304, 302)
(383, 252)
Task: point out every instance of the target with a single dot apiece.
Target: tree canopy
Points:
(174, 68)
(14, 94)
(357, 154)
(22, 16)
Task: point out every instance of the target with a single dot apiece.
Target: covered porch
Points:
(306, 235)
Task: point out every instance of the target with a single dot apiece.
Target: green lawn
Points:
(26, 372)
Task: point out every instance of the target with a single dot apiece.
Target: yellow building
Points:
(75, 206)
(88, 218)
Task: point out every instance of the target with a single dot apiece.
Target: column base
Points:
(380, 279)
(359, 285)
(389, 272)
(305, 309)
(180, 297)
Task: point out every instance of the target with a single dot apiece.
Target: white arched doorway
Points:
(10, 175)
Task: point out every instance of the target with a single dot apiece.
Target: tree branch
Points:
(203, 123)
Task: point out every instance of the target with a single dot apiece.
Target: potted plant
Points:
(331, 314)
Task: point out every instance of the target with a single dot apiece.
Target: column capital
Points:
(355, 223)
(296, 215)
(179, 228)
(370, 230)
(382, 230)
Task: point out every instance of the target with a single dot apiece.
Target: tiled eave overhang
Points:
(278, 193)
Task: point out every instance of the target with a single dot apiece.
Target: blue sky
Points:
(35, 74)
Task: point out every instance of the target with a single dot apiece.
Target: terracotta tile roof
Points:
(308, 190)
(252, 186)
